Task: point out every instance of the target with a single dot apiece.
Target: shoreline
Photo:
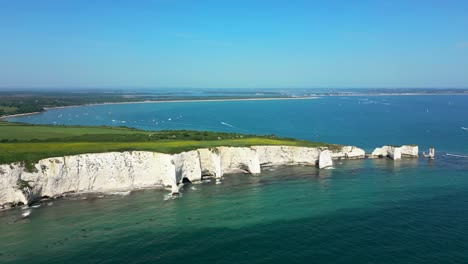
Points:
(312, 96)
(23, 114)
(166, 101)
(391, 94)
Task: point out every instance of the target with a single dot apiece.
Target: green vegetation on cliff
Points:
(30, 143)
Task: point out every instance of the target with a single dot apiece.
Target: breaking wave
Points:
(26, 213)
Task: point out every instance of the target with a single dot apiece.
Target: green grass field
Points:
(30, 143)
(7, 109)
(20, 131)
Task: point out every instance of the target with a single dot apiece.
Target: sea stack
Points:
(396, 153)
(325, 159)
(431, 153)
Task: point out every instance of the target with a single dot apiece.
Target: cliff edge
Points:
(111, 171)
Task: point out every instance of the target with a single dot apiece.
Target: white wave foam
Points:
(26, 213)
(464, 128)
(171, 196)
(455, 155)
(36, 206)
(120, 193)
(193, 188)
(206, 181)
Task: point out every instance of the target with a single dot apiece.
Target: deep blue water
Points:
(363, 211)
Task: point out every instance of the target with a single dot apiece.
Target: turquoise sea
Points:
(363, 211)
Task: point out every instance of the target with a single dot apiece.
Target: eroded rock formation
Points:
(104, 172)
(396, 153)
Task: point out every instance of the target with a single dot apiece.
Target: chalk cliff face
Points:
(396, 153)
(187, 165)
(349, 152)
(411, 151)
(210, 163)
(286, 155)
(325, 159)
(101, 172)
(239, 160)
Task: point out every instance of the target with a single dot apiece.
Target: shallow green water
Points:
(366, 211)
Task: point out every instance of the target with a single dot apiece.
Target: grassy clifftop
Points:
(30, 143)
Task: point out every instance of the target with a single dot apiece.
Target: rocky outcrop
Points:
(103, 172)
(396, 153)
(239, 160)
(431, 154)
(349, 152)
(88, 172)
(286, 155)
(325, 159)
(410, 150)
(210, 162)
(187, 166)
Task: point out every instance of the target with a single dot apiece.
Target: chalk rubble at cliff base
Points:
(114, 171)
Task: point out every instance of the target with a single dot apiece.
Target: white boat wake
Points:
(454, 155)
(464, 128)
(226, 124)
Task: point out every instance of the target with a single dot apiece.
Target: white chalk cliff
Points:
(396, 153)
(103, 172)
(325, 159)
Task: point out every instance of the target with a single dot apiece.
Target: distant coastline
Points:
(23, 114)
(385, 94)
(304, 96)
(167, 101)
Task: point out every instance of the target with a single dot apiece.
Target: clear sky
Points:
(233, 44)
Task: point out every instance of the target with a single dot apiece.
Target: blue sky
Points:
(233, 44)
